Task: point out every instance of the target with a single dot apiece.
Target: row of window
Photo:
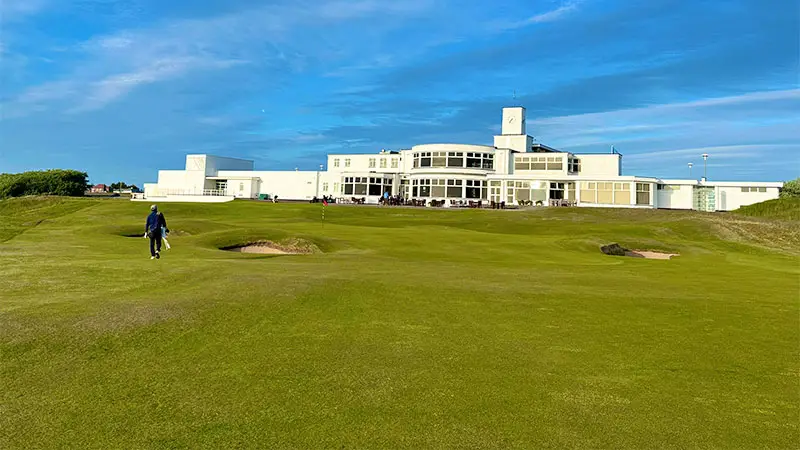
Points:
(454, 160)
(370, 180)
(395, 162)
(442, 188)
(754, 189)
(539, 163)
(614, 193)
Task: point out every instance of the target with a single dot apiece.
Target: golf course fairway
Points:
(396, 328)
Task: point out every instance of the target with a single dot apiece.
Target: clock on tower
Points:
(514, 121)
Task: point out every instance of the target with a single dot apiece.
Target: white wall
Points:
(288, 185)
(172, 179)
(683, 198)
(184, 199)
(503, 162)
(519, 143)
(730, 198)
(215, 164)
(599, 165)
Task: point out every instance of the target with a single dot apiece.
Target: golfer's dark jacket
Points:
(154, 222)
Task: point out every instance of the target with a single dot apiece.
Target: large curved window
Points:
(366, 186)
(454, 160)
(449, 188)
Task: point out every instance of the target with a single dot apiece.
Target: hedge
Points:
(47, 182)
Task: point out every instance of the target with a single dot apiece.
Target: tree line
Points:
(71, 183)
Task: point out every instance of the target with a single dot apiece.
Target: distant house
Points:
(99, 189)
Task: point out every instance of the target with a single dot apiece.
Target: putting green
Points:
(407, 328)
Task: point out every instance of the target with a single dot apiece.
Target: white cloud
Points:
(694, 108)
(660, 139)
(280, 38)
(11, 10)
(549, 16)
(717, 151)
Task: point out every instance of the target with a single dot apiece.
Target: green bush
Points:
(70, 183)
(791, 189)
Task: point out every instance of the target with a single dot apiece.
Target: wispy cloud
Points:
(11, 10)
(548, 16)
(718, 151)
(274, 36)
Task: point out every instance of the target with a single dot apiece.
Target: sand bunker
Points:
(618, 250)
(649, 255)
(258, 248)
(292, 246)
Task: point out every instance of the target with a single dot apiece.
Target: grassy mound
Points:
(782, 208)
(417, 329)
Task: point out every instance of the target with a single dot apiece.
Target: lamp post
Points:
(705, 166)
(690, 170)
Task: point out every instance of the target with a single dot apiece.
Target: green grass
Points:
(415, 328)
(782, 208)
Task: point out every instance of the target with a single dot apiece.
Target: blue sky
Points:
(124, 88)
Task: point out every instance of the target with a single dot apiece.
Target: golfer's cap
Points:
(153, 208)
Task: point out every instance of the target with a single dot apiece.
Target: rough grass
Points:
(413, 328)
(782, 208)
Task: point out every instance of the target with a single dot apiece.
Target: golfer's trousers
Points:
(155, 243)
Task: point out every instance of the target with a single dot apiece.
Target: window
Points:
(538, 163)
(383, 163)
(372, 163)
(574, 165)
(557, 191)
(762, 189)
(241, 187)
(522, 164)
(324, 187)
(455, 159)
(605, 193)
(335, 187)
(668, 187)
(622, 193)
(347, 162)
(394, 163)
(474, 160)
(642, 193)
(588, 192)
(554, 163)
(336, 162)
(425, 159)
(455, 189)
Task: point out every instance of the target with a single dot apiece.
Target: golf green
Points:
(404, 328)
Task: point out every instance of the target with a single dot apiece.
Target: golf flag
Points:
(324, 202)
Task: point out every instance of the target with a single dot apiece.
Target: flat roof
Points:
(776, 184)
(217, 156)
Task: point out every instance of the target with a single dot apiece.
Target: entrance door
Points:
(705, 199)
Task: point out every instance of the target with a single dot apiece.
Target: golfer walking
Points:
(153, 230)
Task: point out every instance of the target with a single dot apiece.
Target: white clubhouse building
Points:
(514, 170)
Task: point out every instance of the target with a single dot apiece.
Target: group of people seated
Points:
(392, 200)
(325, 199)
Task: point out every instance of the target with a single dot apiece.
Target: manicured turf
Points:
(414, 328)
